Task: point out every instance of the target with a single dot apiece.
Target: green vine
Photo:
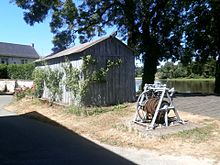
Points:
(72, 79)
(53, 78)
(53, 82)
(38, 76)
(87, 71)
(97, 75)
(100, 74)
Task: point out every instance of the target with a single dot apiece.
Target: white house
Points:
(16, 53)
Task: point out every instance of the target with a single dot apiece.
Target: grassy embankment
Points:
(182, 79)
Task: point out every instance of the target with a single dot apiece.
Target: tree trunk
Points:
(150, 69)
(150, 57)
(217, 77)
(150, 64)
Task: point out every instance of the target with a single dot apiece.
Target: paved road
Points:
(207, 105)
(4, 100)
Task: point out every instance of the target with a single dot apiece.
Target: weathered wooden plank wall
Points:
(120, 81)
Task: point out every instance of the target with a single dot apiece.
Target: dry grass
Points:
(112, 125)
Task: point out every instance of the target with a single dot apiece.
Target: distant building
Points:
(17, 54)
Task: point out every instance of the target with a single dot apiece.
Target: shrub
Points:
(3, 71)
(38, 76)
(22, 92)
(20, 71)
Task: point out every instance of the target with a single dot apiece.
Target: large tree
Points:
(202, 33)
(155, 29)
(152, 28)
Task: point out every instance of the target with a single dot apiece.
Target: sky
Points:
(13, 29)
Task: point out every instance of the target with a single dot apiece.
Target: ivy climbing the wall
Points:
(38, 76)
(93, 74)
(53, 82)
(72, 79)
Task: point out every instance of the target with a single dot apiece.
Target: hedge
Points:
(17, 71)
(3, 71)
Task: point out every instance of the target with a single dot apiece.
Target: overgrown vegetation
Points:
(38, 76)
(72, 79)
(53, 81)
(196, 135)
(192, 70)
(17, 71)
(21, 93)
(90, 111)
(92, 74)
(77, 81)
(138, 71)
(3, 71)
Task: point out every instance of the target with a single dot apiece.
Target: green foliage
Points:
(63, 18)
(90, 111)
(20, 71)
(193, 70)
(197, 135)
(3, 71)
(202, 31)
(157, 30)
(76, 110)
(72, 79)
(21, 93)
(87, 71)
(92, 74)
(138, 71)
(101, 73)
(38, 77)
(53, 81)
(53, 78)
(17, 71)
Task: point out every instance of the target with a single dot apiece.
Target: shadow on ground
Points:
(27, 141)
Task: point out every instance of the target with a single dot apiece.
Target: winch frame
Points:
(161, 92)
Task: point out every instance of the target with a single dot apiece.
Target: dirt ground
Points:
(116, 128)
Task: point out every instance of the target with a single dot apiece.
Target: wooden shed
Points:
(119, 84)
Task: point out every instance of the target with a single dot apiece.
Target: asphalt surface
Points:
(29, 142)
(205, 105)
(4, 100)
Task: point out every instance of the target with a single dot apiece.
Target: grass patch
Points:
(121, 127)
(36, 101)
(90, 111)
(188, 79)
(138, 78)
(196, 135)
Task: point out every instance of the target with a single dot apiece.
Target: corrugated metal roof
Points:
(78, 48)
(17, 50)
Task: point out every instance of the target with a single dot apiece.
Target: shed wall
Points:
(57, 64)
(120, 81)
(119, 86)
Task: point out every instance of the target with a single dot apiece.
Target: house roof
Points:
(80, 48)
(17, 50)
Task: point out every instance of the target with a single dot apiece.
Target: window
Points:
(24, 61)
(4, 60)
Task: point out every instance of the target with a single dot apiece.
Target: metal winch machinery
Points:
(153, 106)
